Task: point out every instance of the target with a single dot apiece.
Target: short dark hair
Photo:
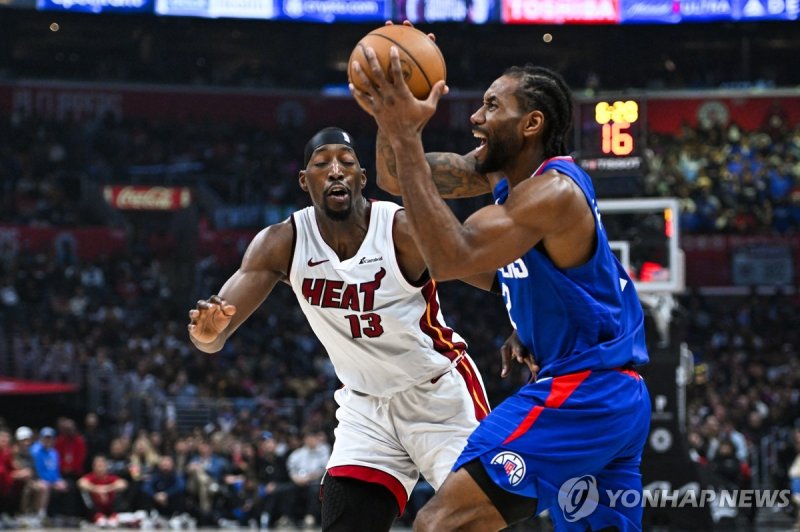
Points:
(544, 90)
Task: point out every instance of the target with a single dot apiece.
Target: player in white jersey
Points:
(411, 394)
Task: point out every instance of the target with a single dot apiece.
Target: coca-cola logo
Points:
(148, 198)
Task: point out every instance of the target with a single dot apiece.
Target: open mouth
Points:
(481, 137)
(339, 193)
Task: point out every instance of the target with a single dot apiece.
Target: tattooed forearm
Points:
(387, 156)
(455, 175)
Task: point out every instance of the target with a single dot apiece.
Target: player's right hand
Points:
(209, 318)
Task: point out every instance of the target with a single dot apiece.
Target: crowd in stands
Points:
(115, 327)
(240, 477)
(728, 180)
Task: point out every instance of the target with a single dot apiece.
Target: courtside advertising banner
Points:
(706, 10)
(472, 11)
(649, 11)
(96, 6)
(147, 198)
(335, 10)
(255, 9)
(560, 11)
(766, 9)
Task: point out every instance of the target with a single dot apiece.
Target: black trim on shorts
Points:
(512, 507)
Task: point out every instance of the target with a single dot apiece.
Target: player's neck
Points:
(346, 236)
(524, 165)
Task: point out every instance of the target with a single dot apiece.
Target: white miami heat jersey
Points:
(382, 333)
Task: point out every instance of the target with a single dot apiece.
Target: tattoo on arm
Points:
(455, 175)
(387, 155)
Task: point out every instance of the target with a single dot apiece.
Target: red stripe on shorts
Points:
(477, 394)
(560, 390)
(374, 476)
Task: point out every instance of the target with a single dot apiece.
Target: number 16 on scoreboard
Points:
(616, 119)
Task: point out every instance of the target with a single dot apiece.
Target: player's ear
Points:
(533, 124)
(363, 178)
(301, 178)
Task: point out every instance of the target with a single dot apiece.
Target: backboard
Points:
(645, 235)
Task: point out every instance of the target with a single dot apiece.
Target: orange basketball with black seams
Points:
(421, 61)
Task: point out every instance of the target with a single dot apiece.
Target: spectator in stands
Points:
(273, 477)
(165, 489)
(100, 489)
(697, 447)
(143, 458)
(204, 479)
(46, 462)
(96, 438)
(306, 467)
(727, 465)
(6, 471)
(31, 492)
(119, 464)
(71, 449)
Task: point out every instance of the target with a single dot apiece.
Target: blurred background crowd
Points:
(241, 437)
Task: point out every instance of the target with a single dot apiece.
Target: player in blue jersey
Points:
(572, 440)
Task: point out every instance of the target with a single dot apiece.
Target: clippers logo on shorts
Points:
(512, 464)
(578, 497)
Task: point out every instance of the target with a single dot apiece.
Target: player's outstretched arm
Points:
(265, 262)
(455, 175)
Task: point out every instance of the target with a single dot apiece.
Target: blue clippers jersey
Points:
(574, 319)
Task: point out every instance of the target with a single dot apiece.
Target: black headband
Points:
(329, 135)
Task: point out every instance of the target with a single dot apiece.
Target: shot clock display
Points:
(616, 120)
(610, 143)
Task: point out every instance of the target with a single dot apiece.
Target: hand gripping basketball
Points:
(210, 318)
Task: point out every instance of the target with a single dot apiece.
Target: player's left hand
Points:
(389, 100)
(513, 348)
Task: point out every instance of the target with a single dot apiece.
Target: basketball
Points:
(421, 60)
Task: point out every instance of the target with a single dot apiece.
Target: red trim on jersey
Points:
(443, 343)
(429, 324)
(560, 390)
(475, 387)
(630, 373)
(546, 161)
(374, 476)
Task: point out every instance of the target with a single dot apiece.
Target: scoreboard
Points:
(610, 142)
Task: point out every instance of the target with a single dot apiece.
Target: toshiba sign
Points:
(561, 11)
(144, 198)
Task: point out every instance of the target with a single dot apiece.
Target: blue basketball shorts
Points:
(572, 442)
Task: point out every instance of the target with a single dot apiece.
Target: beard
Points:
(499, 150)
(339, 216)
